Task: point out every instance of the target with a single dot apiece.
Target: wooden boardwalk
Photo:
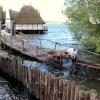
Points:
(25, 47)
(34, 51)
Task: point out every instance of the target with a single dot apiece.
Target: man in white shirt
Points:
(72, 53)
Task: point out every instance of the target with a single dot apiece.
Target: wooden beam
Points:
(87, 64)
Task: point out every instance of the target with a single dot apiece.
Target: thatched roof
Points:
(29, 15)
(13, 14)
(1, 12)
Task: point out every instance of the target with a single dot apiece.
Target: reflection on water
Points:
(10, 90)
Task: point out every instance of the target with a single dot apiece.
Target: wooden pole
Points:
(23, 48)
(33, 82)
(93, 94)
(40, 42)
(55, 46)
(77, 92)
(37, 50)
(60, 89)
(72, 95)
(87, 95)
(68, 90)
(11, 40)
(29, 78)
(81, 95)
(29, 42)
(4, 38)
(61, 58)
(0, 26)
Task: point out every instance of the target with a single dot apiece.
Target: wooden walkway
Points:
(34, 51)
(25, 47)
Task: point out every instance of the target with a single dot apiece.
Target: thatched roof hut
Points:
(27, 20)
(13, 14)
(29, 15)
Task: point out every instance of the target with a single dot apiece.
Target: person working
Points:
(72, 53)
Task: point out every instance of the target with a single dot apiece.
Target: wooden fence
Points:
(43, 85)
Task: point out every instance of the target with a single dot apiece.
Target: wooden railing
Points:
(12, 40)
(25, 47)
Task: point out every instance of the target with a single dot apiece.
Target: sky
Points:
(50, 10)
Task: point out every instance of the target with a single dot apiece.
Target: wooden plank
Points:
(29, 79)
(68, 90)
(49, 87)
(64, 91)
(33, 82)
(46, 86)
(81, 95)
(77, 92)
(88, 64)
(36, 82)
(60, 89)
(87, 95)
(56, 88)
(72, 95)
(42, 89)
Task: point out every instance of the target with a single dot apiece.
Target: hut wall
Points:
(40, 27)
(29, 27)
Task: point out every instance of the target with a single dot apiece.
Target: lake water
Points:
(58, 33)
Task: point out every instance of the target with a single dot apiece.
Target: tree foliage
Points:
(84, 21)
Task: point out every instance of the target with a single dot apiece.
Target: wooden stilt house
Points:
(28, 20)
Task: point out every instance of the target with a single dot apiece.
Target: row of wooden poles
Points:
(43, 85)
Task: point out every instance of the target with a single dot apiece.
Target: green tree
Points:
(84, 21)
